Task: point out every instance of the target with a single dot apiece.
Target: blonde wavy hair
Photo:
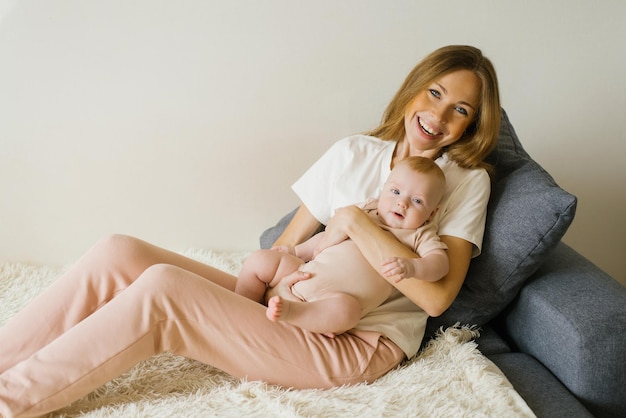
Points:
(481, 135)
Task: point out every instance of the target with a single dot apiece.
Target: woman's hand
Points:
(283, 288)
(336, 229)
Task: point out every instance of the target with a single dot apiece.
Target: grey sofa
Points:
(551, 320)
(561, 342)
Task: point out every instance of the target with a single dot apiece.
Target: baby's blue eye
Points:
(395, 191)
(417, 201)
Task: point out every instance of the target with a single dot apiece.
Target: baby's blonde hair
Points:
(426, 166)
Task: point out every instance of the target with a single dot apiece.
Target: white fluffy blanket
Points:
(450, 378)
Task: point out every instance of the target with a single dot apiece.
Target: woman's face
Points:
(439, 115)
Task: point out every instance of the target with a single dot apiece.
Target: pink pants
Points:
(127, 300)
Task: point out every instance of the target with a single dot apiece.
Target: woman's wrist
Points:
(349, 218)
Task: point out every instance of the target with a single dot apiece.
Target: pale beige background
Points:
(185, 122)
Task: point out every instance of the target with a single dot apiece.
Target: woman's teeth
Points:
(427, 128)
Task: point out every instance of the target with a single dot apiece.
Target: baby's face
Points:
(408, 198)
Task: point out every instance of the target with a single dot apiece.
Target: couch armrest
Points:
(571, 316)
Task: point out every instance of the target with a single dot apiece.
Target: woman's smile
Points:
(429, 130)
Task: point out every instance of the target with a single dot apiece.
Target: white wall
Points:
(185, 122)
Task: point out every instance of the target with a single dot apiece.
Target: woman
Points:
(126, 300)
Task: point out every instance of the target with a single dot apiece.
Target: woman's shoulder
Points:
(362, 151)
(360, 142)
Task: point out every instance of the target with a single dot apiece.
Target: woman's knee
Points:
(116, 256)
(124, 250)
(119, 243)
(159, 278)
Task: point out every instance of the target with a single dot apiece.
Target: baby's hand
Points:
(398, 266)
(287, 249)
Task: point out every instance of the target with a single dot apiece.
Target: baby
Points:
(344, 286)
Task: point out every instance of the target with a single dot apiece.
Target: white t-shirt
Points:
(355, 169)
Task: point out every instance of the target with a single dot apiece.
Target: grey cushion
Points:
(528, 214)
(270, 235)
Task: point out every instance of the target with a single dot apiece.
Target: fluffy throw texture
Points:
(449, 378)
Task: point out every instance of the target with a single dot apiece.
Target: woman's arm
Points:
(306, 250)
(378, 245)
(301, 227)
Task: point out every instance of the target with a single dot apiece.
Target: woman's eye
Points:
(435, 93)
(462, 111)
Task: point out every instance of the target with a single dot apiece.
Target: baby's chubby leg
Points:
(335, 313)
(264, 268)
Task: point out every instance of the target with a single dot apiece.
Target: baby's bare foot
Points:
(275, 308)
(279, 309)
